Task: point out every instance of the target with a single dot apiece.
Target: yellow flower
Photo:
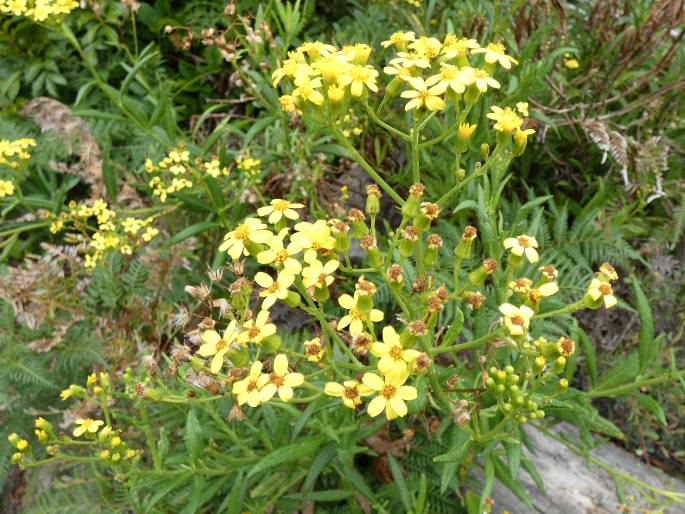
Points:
(247, 389)
(496, 53)
(523, 244)
(392, 393)
(277, 209)
(522, 107)
(291, 68)
(607, 272)
(279, 255)
(274, 289)
(257, 329)
(427, 46)
(599, 289)
(316, 49)
(217, 346)
(6, 188)
(251, 229)
(399, 39)
(313, 349)
(393, 357)
(335, 93)
(307, 89)
(516, 319)
(423, 96)
(357, 53)
(409, 60)
(330, 68)
(315, 238)
(358, 77)
(280, 380)
(506, 119)
(399, 70)
(287, 103)
(87, 425)
(449, 77)
(318, 274)
(350, 391)
(453, 47)
(355, 318)
(521, 136)
(571, 64)
(479, 77)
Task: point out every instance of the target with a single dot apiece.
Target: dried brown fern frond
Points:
(611, 142)
(51, 114)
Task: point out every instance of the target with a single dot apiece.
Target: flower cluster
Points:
(38, 10)
(102, 229)
(13, 152)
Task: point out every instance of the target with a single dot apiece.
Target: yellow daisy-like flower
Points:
(350, 391)
(571, 64)
(427, 46)
(453, 47)
(479, 77)
(318, 274)
(423, 96)
(307, 89)
(449, 77)
(603, 290)
(496, 53)
(313, 349)
(522, 107)
(516, 319)
(316, 49)
(257, 329)
(279, 255)
(398, 70)
(6, 188)
(274, 289)
(392, 393)
(359, 76)
(315, 238)
(355, 318)
(216, 345)
(506, 120)
(251, 229)
(399, 39)
(330, 68)
(247, 389)
(523, 244)
(411, 59)
(278, 208)
(280, 380)
(87, 425)
(393, 358)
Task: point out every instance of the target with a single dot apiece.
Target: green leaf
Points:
(193, 436)
(191, 231)
(400, 483)
(589, 353)
(286, 454)
(330, 495)
(322, 460)
(645, 343)
(652, 406)
(454, 330)
(502, 474)
(237, 494)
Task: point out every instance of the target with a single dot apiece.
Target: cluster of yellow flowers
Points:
(112, 233)
(249, 166)
(6, 188)
(430, 72)
(37, 10)
(12, 152)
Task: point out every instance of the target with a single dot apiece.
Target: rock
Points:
(575, 486)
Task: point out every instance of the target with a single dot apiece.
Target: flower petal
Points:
(373, 381)
(376, 406)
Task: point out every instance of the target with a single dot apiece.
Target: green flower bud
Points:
(239, 356)
(373, 204)
(272, 343)
(152, 394)
(562, 386)
(412, 207)
(293, 299)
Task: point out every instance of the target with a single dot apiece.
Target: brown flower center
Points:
(351, 392)
(523, 241)
(281, 257)
(517, 320)
(253, 332)
(604, 289)
(313, 349)
(388, 391)
(221, 345)
(251, 385)
(277, 380)
(396, 353)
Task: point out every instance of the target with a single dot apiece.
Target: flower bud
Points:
(272, 343)
(373, 204)
(463, 249)
(152, 394)
(409, 238)
(17, 458)
(293, 299)
(478, 276)
(562, 386)
(239, 356)
(433, 245)
(429, 212)
(411, 207)
(464, 134)
(485, 150)
(374, 255)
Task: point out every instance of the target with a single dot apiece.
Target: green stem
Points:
(147, 430)
(464, 346)
(625, 388)
(569, 308)
(364, 164)
(474, 175)
(383, 124)
(416, 172)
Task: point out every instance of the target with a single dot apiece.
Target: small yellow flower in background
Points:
(6, 188)
(316, 49)
(280, 380)
(359, 76)
(496, 53)
(307, 89)
(247, 389)
(280, 255)
(399, 70)
(506, 119)
(287, 103)
(571, 62)
(522, 107)
(318, 274)
(603, 290)
(313, 349)
(71, 391)
(274, 289)
(393, 358)
(523, 244)
(355, 318)
(315, 238)
(423, 96)
(251, 229)
(607, 272)
(277, 209)
(521, 285)
(392, 393)
(87, 425)
(257, 329)
(516, 319)
(216, 345)
(350, 391)
(399, 39)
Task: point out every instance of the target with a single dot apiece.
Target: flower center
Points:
(251, 385)
(277, 380)
(396, 353)
(517, 320)
(388, 391)
(273, 288)
(604, 289)
(253, 332)
(241, 232)
(351, 392)
(313, 349)
(281, 205)
(281, 257)
(322, 279)
(355, 314)
(423, 95)
(523, 241)
(220, 345)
